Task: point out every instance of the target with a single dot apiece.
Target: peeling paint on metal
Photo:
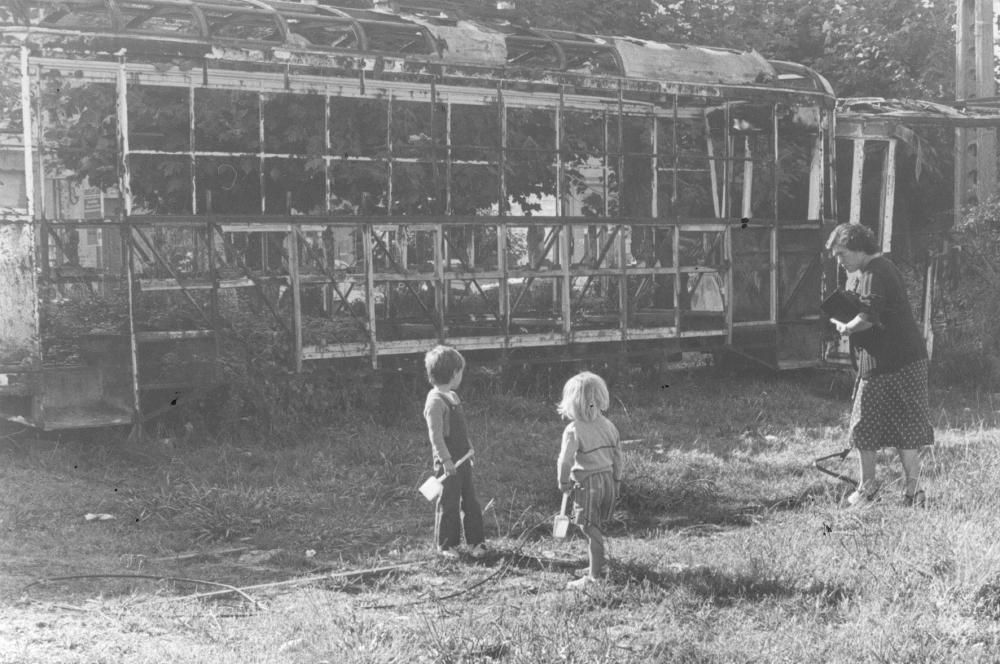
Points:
(468, 42)
(643, 59)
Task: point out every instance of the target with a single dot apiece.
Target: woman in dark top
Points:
(887, 349)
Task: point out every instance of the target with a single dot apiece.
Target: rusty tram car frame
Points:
(301, 174)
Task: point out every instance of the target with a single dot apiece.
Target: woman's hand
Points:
(842, 328)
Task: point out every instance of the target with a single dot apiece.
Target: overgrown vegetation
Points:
(968, 345)
(727, 546)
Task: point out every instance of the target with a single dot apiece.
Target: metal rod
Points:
(817, 464)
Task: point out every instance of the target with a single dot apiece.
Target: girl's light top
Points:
(588, 448)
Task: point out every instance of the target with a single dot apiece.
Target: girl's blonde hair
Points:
(584, 397)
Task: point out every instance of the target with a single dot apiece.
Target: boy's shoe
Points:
(916, 499)
(581, 572)
(479, 551)
(582, 583)
(448, 554)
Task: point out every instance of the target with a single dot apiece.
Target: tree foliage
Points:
(890, 48)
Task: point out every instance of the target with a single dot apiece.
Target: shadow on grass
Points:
(726, 588)
(713, 512)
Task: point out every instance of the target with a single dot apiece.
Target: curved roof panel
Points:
(645, 59)
(431, 36)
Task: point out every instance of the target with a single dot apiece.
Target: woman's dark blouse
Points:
(894, 340)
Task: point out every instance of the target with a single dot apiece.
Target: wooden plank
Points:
(713, 173)
(292, 238)
(773, 277)
(173, 335)
(746, 206)
(888, 199)
(816, 178)
(566, 284)
(729, 299)
(857, 172)
(125, 186)
(677, 281)
(440, 301)
(929, 304)
(370, 295)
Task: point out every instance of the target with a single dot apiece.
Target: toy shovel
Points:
(432, 487)
(560, 525)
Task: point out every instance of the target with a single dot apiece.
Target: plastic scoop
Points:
(560, 525)
(432, 487)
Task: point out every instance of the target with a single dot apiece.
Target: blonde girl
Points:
(590, 465)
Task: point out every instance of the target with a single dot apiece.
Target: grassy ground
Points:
(728, 546)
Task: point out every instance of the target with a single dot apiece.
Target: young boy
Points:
(449, 437)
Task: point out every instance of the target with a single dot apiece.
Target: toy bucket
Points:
(560, 525)
(432, 486)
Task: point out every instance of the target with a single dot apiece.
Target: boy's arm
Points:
(567, 455)
(434, 413)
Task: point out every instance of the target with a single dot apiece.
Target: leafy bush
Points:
(968, 308)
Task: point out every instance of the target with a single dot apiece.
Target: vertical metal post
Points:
(213, 272)
(193, 161)
(390, 102)
(566, 229)
(773, 274)
(676, 161)
(888, 195)
(368, 229)
(727, 163)
(448, 157)
(624, 306)
(43, 213)
(440, 283)
(124, 186)
(775, 265)
(503, 303)
(567, 304)
(728, 303)
(29, 161)
(746, 205)
(677, 278)
(654, 203)
(293, 271)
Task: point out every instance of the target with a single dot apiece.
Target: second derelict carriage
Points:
(352, 183)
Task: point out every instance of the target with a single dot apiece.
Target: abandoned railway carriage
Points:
(187, 178)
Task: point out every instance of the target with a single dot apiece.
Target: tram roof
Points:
(433, 36)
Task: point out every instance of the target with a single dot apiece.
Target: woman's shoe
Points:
(581, 583)
(860, 499)
(915, 499)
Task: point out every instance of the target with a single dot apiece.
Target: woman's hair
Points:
(584, 397)
(853, 237)
(442, 363)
